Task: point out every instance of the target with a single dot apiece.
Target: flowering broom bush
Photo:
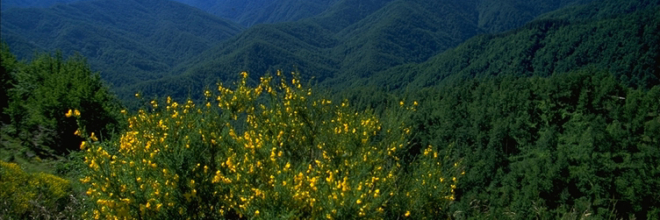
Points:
(274, 150)
(24, 195)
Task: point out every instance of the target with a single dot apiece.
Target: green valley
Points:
(288, 109)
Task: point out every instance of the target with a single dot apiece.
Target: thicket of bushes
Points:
(573, 145)
(275, 150)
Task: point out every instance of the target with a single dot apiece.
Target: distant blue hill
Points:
(7, 4)
(251, 12)
(129, 41)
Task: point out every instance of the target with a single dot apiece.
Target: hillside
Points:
(624, 44)
(348, 39)
(417, 109)
(351, 38)
(252, 12)
(128, 41)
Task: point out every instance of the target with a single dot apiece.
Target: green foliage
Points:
(625, 44)
(128, 41)
(252, 12)
(167, 43)
(578, 143)
(33, 195)
(7, 68)
(350, 40)
(44, 90)
(271, 151)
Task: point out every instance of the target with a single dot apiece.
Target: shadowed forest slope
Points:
(128, 41)
(351, 39)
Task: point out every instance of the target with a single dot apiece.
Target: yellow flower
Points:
(69, 113)
(93, 137)
(76, 113)
(407, 213)
(287, 166)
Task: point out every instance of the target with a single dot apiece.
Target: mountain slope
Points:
(251, 12)
(129, 41)
(404, 32)
(351, 38)
(626, 45)
(498, 16)
(304, 46)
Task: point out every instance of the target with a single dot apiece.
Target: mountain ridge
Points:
(543, 48)
(384, 34)
(132, 40)
(349, 42)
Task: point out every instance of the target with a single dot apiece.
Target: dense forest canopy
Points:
(624, 44)
(128, 41)
(394, 109)
(166, 43)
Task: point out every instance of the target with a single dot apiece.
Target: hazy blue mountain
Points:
(128, 40)
(7, 4)
(355, 39)
(305, 46)
(345, 41)
(251, 12)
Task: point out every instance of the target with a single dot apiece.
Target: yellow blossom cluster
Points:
(21, 192)
(72, 113)
(274, 150)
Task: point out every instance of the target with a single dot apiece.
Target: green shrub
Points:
(25, 195)
(42, 91)
(271, 151)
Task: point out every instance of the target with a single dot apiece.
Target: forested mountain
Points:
(128, 41)
(557, 119)
(350, 39)
(477, 109)
(251, 12)
(625, 44)
(573, 145)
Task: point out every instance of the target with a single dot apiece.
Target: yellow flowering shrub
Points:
(274, 150)
(21, 193)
